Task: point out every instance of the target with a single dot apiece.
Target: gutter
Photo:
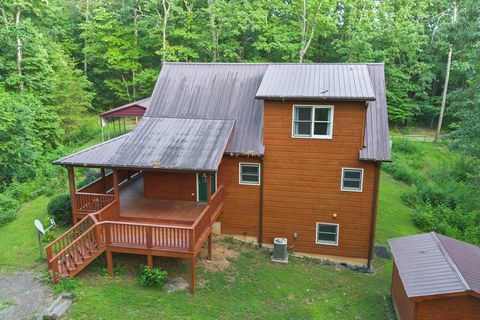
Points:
(260, 205)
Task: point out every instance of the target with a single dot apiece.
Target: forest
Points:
(64, 61)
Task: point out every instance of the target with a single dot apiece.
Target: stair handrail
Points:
(74, 242)
(48, 248)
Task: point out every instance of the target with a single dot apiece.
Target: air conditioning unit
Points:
(280, 253)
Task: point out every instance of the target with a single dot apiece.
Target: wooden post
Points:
(116, 191)
(210, 246)
(209, 187)
(150, 261)
(109, 262)
(104, 182)
(192, 274)
(73, 193)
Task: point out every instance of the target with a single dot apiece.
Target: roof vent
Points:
(280, 253)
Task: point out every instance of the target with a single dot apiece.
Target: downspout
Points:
(260, 206)
(373, 223)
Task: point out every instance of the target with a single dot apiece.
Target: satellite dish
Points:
(39, 226)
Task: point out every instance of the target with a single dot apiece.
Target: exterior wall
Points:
(404, 307)
(302, 179)
(453, 308)
(241, 204)
(170, 186)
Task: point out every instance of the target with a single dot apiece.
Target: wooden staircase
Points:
(76, 248)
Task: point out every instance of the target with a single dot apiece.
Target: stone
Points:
(176, 284)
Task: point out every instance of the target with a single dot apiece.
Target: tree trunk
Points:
(214, 31)
(87, 17)
(19, 47)
(303, 42)
(135, 35)
(166, 10)
(444, 96)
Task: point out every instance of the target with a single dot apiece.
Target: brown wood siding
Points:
(405, 307)
(170, 186)
(453, 308)
(240, 211)
(302, 179)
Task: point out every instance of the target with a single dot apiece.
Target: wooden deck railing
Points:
(69, 236)
(92, 202)
(110, 212)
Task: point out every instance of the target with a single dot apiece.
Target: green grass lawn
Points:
(250, 288)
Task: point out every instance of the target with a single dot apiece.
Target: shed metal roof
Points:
(329, 81)
(136, 108)
(431, 264)
(214, 91)
(377, 139)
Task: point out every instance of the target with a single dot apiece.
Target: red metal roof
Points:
(431, 264)
(134, 109)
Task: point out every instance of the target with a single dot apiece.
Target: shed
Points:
(435, 277)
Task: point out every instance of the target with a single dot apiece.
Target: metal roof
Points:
(329, 81)
(136, 108)
(432, 264)
(98, 155)
(177, 144)
(377, 139)
(214, 91)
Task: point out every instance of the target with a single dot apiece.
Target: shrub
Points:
(8, 209)
(60, 208)
(90, 176)
(152, 277)
(405, 146)
(403, 172)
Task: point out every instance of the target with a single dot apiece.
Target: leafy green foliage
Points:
(152, 277)
(60, 208)
(8, 209)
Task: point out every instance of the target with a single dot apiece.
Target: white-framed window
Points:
(327, 233)
(312, 121)
(249, 173)
(352, 179)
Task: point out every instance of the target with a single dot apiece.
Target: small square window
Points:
(352, 179)
(249, 173)
(327, 233)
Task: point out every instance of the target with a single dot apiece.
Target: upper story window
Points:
(249, 173)
(312, 122)
(352, 179)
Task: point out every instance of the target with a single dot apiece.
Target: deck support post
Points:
(209, 187)
(109, 262)
(116, 191)
(192, 274)
(209, 257)
(73, 193)
(150, 261)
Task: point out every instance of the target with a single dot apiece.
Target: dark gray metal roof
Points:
(214, 91)
(431, 264)
(329, 81)
(377, 140)
(162, 143)
(98, 155)
(176, 144)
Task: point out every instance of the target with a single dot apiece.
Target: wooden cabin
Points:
(435, 277)
(256, 151)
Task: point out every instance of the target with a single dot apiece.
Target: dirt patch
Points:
(222, 254)
(382, 252)
(22, 295)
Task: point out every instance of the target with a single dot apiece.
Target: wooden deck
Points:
(134, 207)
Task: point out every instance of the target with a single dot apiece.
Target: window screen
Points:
(352, 179)
(250, 173)
(327, 233)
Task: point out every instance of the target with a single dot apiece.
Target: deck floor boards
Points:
(134, 207)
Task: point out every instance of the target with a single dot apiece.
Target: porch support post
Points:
(73, 193)
(109, 262)
(104, 183)
(116, 191)
(209, 257)
(192, 274)
(209, 187)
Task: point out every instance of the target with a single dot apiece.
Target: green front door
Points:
(202, 185)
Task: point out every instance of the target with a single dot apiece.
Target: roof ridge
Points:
(450, 260)
(273, 63)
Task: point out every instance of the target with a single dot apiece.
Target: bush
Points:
(152, 277)
(60, 208)
(405, 146)
(403, 172)
(8, 209)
